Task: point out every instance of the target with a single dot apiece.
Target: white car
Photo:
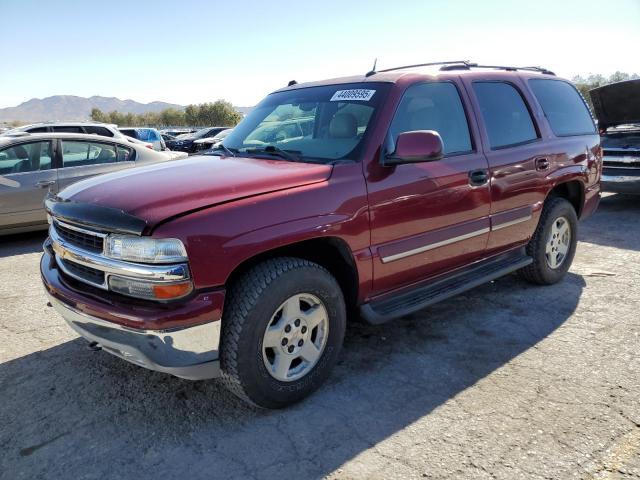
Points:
(95, 128)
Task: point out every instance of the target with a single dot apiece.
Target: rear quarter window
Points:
(105, 132)
(67, 129)
(125, 154)
(129, 133)
(563, 106)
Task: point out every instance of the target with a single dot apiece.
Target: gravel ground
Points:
(507, 381)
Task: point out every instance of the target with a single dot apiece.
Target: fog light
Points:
(149, 290)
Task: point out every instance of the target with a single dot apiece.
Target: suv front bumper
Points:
(189, 353)
(183, 342)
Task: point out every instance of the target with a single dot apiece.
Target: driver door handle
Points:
(45, 183)
(542, 163)
(478, 177)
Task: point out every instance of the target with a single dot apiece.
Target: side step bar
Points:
(411, 300)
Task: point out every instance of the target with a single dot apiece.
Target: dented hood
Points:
(157, 192)
(617, 103)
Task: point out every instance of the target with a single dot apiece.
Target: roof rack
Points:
(463, 65)
(470, 65)
(430, 64)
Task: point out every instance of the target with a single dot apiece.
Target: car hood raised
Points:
(617, 103)
(156, 192)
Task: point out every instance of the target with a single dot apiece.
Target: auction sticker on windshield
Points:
(359, 94)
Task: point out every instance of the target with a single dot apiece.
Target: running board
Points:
(411, 300)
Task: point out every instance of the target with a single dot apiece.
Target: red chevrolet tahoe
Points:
(371, 196)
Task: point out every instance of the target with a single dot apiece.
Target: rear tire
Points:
(553, 244)
(284, 311)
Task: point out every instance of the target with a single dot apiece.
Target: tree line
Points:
(594, 81)
(219, 113)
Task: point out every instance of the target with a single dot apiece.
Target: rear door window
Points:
(26, 157)
(563, 106)
(434, 106)
(506, 116)
(77, 153)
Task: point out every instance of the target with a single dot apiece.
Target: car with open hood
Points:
(370, 196)
(617, 108)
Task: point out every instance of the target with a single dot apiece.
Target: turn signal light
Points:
(149, 290)
(174, 290)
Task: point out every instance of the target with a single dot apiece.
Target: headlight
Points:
(145, 249)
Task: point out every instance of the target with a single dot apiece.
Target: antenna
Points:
(373, 69)
(291, 83)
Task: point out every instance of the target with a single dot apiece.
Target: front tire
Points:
(553, 244)
(282, 330)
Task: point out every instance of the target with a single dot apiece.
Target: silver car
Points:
(33, 164)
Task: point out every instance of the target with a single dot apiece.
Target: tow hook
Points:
(94, 346)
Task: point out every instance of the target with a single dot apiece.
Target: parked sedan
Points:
(185, 143)
(617, 107)
(210, 142)
(33, 164)
(96, 128)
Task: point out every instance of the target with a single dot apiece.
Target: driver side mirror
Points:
(415, 147)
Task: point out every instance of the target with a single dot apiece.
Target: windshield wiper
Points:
(273, 150)
(227, 150)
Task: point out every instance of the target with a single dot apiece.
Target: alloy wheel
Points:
(558, 242)
(295, 338)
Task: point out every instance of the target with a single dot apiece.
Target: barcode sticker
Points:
(359, 94)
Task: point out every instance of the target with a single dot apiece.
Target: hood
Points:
(156, 192)
(617, 103)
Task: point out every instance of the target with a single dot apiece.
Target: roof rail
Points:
(430, 64)
(16, 134)
(462, 65)
(470, 65)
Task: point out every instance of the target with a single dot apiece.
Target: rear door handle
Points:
(45, 183)
(478, 177)
(542, 163)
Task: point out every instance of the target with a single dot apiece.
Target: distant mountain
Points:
(72, 108)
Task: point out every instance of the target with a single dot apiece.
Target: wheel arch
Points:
(571, 190)
(332, 253)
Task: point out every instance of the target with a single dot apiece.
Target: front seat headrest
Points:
(343, 125)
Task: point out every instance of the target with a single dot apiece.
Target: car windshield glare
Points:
(325, 123)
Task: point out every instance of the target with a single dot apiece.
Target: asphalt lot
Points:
(507, 381)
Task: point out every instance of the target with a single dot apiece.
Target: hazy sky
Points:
(191, 51)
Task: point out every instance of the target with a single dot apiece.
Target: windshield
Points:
(201, 133)
(222, 135)
(321, 124)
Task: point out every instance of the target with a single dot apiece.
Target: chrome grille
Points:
(81, 272)
(79, 237)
